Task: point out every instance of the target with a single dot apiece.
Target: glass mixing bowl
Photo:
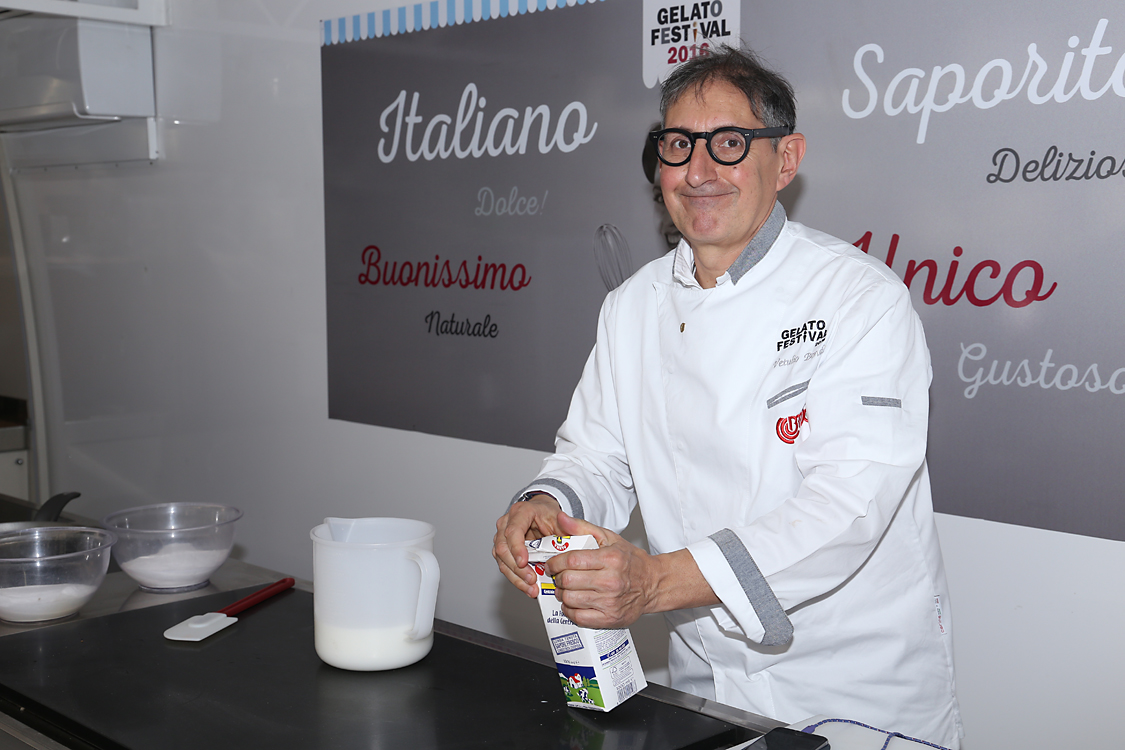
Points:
(51, 572)
(175, 546)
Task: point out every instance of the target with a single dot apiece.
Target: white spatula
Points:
(199, 627)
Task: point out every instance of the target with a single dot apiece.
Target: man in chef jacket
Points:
(762, 392)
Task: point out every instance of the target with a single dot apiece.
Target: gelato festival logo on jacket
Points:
(1043, 79)
(788, 428)
(813, 331)
(466, 134)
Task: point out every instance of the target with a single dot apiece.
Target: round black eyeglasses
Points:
(728, 146)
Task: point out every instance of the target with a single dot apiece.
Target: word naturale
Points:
(451, 326)
(946, 86)
(465, 135)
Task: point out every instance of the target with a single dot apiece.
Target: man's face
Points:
(719, 208)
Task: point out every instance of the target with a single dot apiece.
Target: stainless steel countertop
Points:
(120, 593)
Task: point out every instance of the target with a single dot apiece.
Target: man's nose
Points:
(701, 167)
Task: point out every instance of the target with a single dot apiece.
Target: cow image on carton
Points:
(599, 669)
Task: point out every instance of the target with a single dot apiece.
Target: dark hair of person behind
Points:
(770, 95)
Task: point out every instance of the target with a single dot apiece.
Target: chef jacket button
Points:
(681, 327)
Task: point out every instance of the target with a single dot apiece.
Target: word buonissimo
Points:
(439, 273)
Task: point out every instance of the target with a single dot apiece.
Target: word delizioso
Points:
(1053, 167)
(441, 273)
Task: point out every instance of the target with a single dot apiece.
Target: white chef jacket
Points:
(775, 426)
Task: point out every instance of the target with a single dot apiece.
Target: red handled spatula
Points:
(199, 627)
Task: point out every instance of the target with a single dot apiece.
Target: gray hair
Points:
(771, 97)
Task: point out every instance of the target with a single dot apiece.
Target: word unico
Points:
(1032, 287)
(1064, 378)
(992, 84)
(445, 136)
(440, 273)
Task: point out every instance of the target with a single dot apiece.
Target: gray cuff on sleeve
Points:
(778, 628)
(570, 495)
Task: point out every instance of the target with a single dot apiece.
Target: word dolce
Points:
(444, 136)
(1063, 379)
(992, 84)
(513, 204)
(969, 289)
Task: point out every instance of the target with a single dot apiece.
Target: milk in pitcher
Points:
(368, 648)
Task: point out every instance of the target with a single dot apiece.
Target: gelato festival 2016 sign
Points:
(673, 33)
(486, 184)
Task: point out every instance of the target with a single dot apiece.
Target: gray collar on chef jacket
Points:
(759, 245)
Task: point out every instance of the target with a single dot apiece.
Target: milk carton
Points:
(599, 669)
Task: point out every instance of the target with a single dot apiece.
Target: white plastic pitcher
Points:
(375, 584)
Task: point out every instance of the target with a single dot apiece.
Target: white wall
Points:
(187, 361)
(13, 381)
(1038, 643)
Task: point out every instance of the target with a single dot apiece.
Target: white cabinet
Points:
(13, 474)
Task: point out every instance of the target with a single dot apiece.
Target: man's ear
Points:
(791, 149)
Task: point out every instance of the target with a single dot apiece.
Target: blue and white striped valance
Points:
(430, 15)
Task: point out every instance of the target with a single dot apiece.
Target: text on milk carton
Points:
(599, 669)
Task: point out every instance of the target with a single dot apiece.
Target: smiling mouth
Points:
(705, 191)
(705, 199)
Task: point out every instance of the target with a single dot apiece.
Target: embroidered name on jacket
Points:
(813, 331)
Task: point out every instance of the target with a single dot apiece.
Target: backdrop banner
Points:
(485, 186)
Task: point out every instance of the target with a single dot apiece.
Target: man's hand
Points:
(612, 586)
(531, 519)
